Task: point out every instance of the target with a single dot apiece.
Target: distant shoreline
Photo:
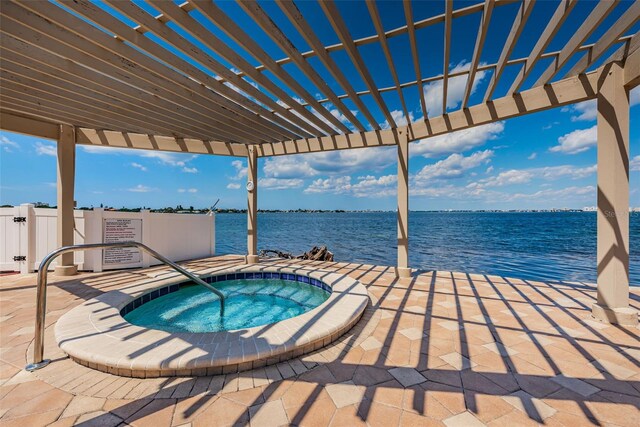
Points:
(192, 210)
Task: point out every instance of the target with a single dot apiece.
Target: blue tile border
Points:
(132, 305)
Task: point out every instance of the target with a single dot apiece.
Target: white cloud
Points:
(169, 159)
(139, 166)
(46, 149)
(457, 142)
(576, 141)
(187, 190)
(398, 117)
(335, 185)
(453, 166)
(329, 163)
(241, 170)
(583, 111)
(140, 189)
(279, 184)
(532, 156)
(189, 170)
(556, 194)
(524, 176)
(233, 186)
(7, 144)
(588, 110)
(455, 89)
(366, 186)
(634, 164)
(507, 178)
(489, 170)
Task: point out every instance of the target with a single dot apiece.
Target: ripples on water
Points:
(536, 246)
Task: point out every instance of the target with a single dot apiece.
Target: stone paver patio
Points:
(440, 348)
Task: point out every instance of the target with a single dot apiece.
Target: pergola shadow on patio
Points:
(439, 347)
(208, 78)
(433, 347)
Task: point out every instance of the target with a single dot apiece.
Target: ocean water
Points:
(538, 246)
(248, 303)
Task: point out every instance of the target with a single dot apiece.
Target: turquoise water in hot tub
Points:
(249, 303)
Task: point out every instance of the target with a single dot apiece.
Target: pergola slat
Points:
(413, 43)
(98, 57)
(447, 52)
(305, 119)
(225, 23)
(29, 126)
(332, 13)
(595, 18)
(477, 50)
(159, 143)
(563, 92)
(87, 117)
(516, 29)
(624, 23)
(560, 15)
(424, 23)
(69, 71)
(254, 10)
(305, 30)
(377, 23)
(110, 107)
(253, 114)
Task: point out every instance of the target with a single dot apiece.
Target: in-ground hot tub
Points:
(170, 327)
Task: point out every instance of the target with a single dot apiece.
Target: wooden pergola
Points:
(159, 77)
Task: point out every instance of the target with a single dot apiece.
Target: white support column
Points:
(252, 206)
(613, 201)
(27, 237)
(403, 269)
(66, 176)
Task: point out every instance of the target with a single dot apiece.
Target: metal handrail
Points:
(41, 298)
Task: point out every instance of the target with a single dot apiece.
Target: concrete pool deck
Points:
(438, 348)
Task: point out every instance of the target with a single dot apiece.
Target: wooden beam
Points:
(560, 15)
(76, 78)
(158, 143)
(28, 126)
(306, 31)
(477, 50)
(423, 23)
(625, 22)
(413, 43)
(50, 88)
(595, 18)
(250, 113)
(632, 70)
(231, 29)
(339, 26)
(447, 52)
(516, 29)
(254, 10)
(377, 22)
(557, 94)
(102, 52)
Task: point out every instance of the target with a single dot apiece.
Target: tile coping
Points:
(96, 335)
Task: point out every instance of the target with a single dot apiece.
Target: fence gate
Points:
(14, 246)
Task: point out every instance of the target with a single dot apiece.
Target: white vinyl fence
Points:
(28, 234)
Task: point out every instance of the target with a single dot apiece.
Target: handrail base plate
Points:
(35, 366)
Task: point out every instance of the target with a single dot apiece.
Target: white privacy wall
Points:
(178, 237)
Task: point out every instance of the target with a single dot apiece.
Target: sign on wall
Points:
(121, 230)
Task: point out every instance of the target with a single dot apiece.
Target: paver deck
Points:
(439, 348)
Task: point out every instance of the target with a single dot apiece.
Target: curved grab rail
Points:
(41, 298)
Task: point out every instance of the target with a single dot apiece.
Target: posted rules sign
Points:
(121, 230)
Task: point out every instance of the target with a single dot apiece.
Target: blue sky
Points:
(543, 160)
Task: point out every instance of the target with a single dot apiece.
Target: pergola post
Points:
(402, 269)
(252, 205)
(613, 200)
(66, 181)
